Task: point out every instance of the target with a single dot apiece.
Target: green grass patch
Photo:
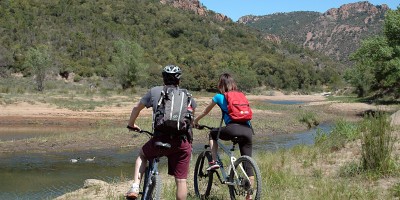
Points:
(309, 118)
(263, 105)
(341, 133)
(377, 143)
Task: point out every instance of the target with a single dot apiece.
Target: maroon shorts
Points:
(178, 155)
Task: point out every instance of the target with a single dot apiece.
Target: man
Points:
(180, 152)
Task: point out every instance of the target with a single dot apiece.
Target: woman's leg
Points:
(214, 149)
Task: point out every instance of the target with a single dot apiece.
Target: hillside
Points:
(336, 33)
(97, 37)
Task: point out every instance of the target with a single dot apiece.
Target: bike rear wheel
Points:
(243, 185)
(202, 178)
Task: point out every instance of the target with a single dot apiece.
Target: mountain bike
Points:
(152, 183)
(236, 176)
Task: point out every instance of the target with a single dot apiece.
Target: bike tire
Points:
(155, 187)
(242, 187)
(202, 178)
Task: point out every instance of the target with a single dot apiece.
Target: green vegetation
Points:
(309, 118)
(377, 144)
(130, 41)
(377, 70)
(342, 132)
(38, 59)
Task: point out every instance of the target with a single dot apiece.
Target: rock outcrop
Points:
(196, 7)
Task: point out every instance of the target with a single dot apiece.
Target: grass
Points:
(343, 132)
(309, 118)
(377, 144)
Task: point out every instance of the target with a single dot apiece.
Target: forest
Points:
(129, 41)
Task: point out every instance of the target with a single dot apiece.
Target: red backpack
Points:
(238, 106)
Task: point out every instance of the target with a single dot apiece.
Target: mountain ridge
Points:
(336, 32)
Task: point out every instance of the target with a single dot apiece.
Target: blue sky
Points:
(238, 8)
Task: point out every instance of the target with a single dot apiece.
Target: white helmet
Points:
(173, 70)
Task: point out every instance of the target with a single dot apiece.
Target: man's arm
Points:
(134, 114)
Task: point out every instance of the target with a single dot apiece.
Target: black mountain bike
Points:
(152, 183)
(235, 176)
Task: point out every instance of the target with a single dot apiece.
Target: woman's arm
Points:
(207, 110)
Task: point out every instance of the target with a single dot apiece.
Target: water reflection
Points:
(41, 176)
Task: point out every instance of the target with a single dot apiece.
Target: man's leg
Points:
(140, 167)
(181, 189)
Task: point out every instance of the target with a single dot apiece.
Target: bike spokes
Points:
(202, 177)
(246, 179)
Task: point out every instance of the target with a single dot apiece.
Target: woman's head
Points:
(226, 83)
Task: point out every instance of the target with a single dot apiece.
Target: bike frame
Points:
(151, 169)
(233, 174)
(232, 159)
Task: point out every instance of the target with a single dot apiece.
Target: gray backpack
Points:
(173, 114)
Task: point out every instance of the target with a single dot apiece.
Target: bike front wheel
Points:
(155, 187)
(202, 178)
(245, 179)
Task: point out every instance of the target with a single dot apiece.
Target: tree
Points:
(126, 63)
(39, 61)
(378, 61)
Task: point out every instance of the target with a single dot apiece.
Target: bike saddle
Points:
(162, 145)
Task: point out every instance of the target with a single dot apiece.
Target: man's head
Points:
(171, 75)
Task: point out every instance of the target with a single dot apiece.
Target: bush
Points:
(309, 118)
(377, 143)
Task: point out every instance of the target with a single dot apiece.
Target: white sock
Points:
(135, 185)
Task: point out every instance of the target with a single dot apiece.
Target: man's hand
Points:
(135, 128)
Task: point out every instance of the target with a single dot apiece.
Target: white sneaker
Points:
(133, 192)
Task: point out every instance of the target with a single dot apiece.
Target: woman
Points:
(232, 129)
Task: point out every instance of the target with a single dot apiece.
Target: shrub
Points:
(377, 143)
(309, 118)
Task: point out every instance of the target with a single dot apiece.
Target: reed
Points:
(377, 143)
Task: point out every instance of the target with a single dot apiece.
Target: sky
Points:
(235, 9)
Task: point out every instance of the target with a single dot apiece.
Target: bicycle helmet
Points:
(172, 71)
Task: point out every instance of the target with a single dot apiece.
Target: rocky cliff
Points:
(195, 6)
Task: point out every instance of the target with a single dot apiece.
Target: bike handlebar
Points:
(200, 127)
(139, 130)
